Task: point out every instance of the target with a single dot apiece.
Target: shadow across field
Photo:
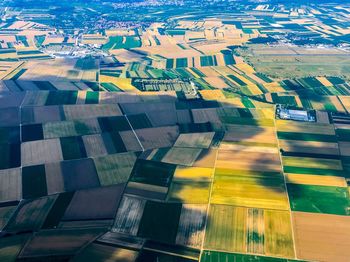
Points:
(236, 146)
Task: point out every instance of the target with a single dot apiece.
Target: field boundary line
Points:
(285, 183)
(138, 140)
(208, 206)
(18, 67)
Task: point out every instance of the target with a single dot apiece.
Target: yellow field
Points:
(245, 67)
(274, 87)
(345, 100)
(319, 180)
(324, 81)
(211, 94)
(226, 228)
(278, 234)
(189, 192)
(122, 83)
(249, 189)
(259, 231)
(234, 102)
(192, 173)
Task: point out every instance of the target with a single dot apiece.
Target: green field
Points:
(119, 42)
(319, 199)
(215, 256)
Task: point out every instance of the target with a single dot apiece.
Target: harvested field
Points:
(321, 237)
(130, 141)
(54, 178)
(94, 145)
(191, 225)
(157, 137)
(41, 114)
(205, 115)
(73, 112)
(181, 156)
(195, 140)
(250, 134)
(253, 160)
(10, 184)
(206, 159)
(309, 147)
(317, 180)
(41, 152)
(129, 215)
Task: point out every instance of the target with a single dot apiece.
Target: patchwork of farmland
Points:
(208, 179)
(186, 138)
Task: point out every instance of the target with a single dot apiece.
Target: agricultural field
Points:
(174, 131)
(297, 62)
(248, 230)
(323, 228)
